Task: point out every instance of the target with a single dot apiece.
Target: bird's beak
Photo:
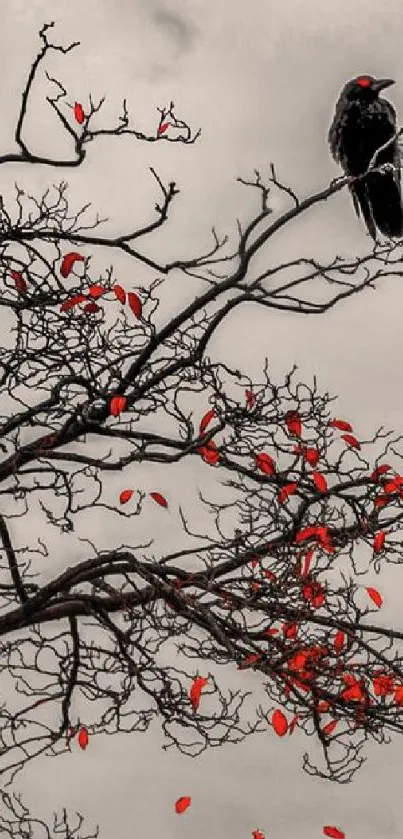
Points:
(380, 84)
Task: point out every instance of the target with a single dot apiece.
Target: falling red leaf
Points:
(205, 420)
(379, 541)
(72, 301)
(375, 596)
(265, 463)
(257, 834)
(19, 282)
(195, 691)
(68, 261)
(380, 470)
(96, 291)
(120, 293)
(279, 723)
(286, 491)
(79, 113)
(250, 398)
(91, 308)
(163, 127)
(319, 481)
(293, 423)
(338, 642)
(135, 304)
(159, 499)
(330, 727)
(209, 453)
(125, 495)
(117, 405)
(83, 738)
(333, 832)
(183, 803)
(351, 441)
(342, 425)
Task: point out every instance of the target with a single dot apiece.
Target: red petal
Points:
(312, 456)
(279, 723)
(68, 262)
(380, 470)
(156, 496)
(320, 481)
(351, 441)
(342, 425)
(265, 463)
(209, 453)
(293, 423)
(257, 834)
(83, 738)
(96, 291)
(163, 127)
(306, 533)
(135, 304)
(120, 293)
(379, 541)
(92, 307)
(307, 562)
(72, 301)
(375, 596)
(183, 803)
(251, 659)
(125, 495)
(79, 113)
(333, 832)
(195, 691)
(117, 405)
(286, 491)
(205, 420)
(330, 727)
(338, 642)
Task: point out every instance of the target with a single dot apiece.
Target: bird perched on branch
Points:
(362, 124)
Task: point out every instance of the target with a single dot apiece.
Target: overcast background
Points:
(261, 79)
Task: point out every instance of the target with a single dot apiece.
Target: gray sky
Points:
(261, 79)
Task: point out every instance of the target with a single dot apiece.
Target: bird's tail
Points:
(385, 200)
(359, 193)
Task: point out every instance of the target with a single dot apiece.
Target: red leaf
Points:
(91, 308)
(257, 834)
(159, 499)
(265, 463)
(293, 423)
(79, 113)
(125, 495)
(209, 453)
(68, 262)
(279, 723)
(250, 398)
(319, 481)
(205, 420)
(375, 596)
(195, 691)
(393, 486)
(351, 441)
(290, 630)
(117, 405)
(293, 723)
(342, 425)
(72, 301)
(120, 293)
(96, 291)
(19, 282)
(83, 738)
(251, 659)
(380, 470)
(306, 533)
(398, 697)
(135, 304)
(286, 491)
(312, 456)
(329, 727)
(379, 541)
(307, 562)
(338, 642)
(333, 832)
(183, 803)
(163, 127)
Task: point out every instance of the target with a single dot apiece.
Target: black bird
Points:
(361, 124)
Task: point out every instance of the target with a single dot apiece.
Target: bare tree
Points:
(91, 385)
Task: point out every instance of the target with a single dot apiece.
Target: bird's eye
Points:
(364, 81)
